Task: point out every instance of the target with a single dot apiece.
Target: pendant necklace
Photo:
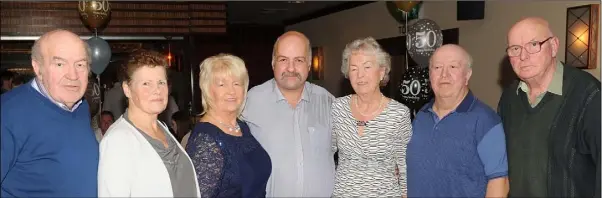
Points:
(231, 128)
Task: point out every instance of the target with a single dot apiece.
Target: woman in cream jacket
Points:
(138, 155)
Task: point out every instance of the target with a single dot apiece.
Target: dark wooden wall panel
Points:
(127, 18)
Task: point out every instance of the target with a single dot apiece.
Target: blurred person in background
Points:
(106, 120)
(7, 81)
(182, 125)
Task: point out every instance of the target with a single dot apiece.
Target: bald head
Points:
(452, 52)
(292, 39)
(533, 26)
(53, 37)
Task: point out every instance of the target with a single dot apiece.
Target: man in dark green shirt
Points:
(551, 117)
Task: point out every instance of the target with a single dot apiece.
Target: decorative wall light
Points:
(317, 63)
(582, 34)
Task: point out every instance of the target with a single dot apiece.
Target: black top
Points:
(564, 129)
(529, 129)
(226, 165)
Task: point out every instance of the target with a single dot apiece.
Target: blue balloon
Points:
(100, 52)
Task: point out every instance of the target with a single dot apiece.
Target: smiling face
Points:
(364, 72)
(63, 67)
(227, 93)
(147, 89)
(448, 71)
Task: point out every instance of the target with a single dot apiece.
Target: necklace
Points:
(380, 105)
(362, 122)
(230, 127)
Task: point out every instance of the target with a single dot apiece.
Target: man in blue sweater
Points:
(47, 146)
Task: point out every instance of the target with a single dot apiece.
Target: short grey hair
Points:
(467, 55)
(36, 49)
(369, 45)
(469, 60)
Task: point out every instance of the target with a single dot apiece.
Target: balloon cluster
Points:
(423, 37)
(96, 15)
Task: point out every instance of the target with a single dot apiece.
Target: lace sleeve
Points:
(208, 162)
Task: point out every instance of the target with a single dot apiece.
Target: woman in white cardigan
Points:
(138, 155)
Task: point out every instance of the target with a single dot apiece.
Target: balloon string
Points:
(98, 80)
(407, 37)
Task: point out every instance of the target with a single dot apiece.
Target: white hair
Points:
(369, 45)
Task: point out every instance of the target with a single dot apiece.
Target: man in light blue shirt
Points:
(291, 119)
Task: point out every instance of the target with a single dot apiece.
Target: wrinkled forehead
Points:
(362, 56)
(291, 46)
(74, 49)
(525, 33)
(150, 73)
(449, 56)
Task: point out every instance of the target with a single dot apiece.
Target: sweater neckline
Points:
(49, 104)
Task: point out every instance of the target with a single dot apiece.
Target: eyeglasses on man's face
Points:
(531, 47)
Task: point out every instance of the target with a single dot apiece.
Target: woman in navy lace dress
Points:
(229, 162)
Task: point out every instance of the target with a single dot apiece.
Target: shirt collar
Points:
(280, 97)
(42, 90)
(465, 106)
(555, 86)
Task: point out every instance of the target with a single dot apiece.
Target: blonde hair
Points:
(221, 64)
